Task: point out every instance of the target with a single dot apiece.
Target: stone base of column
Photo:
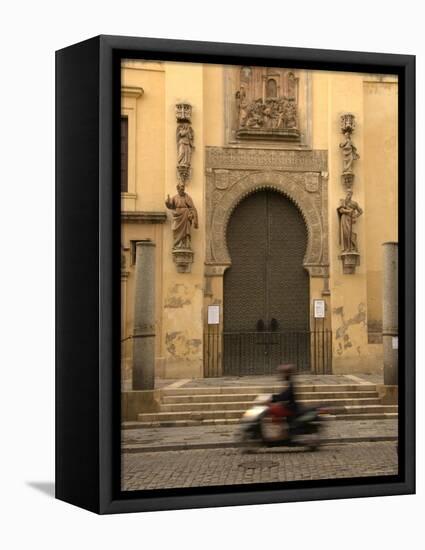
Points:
(387, 394)
(136, 402)
(390, 360)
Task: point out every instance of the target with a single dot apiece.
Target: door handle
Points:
(274, 325)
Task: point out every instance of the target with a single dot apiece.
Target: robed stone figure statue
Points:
(184, 215)
(184, 137)
(348, 213)
(349, 153)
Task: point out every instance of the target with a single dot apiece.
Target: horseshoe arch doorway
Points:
(266, 288)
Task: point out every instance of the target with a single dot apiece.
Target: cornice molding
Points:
(132, 91)
(143, 217)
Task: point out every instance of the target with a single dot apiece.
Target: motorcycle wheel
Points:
(273, 432)
(249, 438)
(313, 440)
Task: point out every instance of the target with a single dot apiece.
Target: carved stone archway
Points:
(232, 174)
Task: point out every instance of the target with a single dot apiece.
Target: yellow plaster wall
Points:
(214, 119)
(150, 135)
(320, 109)
(381, 190)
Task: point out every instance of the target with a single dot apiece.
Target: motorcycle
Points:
(274, 424)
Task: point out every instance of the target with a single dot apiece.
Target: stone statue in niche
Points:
(184, 215)
(185, 140)
(184, 144)
(348, 213)
(242, 106)
(292, 86)
(349, 154)
(349, 151)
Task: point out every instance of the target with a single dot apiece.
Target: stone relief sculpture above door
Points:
(267, 104)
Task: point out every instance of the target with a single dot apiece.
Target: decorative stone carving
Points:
(348, 123)
(183, 259)
(231, 158)
(185, 140)
(349, 210)
(222, 179)
(288, 172)
(349, 150)
(266, 104)
(312, 182)
(348, 213)
(184, 216)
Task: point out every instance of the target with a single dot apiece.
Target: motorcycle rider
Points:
(287, 395)
(284, 408)
(298, 413)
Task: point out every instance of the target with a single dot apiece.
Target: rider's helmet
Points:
(286, 370)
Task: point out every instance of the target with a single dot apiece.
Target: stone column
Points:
(144, 317)
(390, 313)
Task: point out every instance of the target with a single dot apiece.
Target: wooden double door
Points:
(266, 289)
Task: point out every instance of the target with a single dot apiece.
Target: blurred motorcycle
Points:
(272, 423)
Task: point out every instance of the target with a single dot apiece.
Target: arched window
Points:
(271, 88)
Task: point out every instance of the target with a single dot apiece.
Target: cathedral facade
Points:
(266, 195)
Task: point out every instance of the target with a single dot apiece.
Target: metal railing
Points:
(252, 353)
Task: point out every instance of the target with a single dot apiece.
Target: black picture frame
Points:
(88, 273)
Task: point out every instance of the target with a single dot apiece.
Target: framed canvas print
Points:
(235, 274)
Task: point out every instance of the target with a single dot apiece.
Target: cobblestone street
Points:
(177, 439)
(208, 467)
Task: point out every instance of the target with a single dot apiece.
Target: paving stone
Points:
(209, 467)
(210, 435)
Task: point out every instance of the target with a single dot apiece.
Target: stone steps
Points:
(249, 397)
(243, 405)
(206, 405)
(217, 413)
(231, 390)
